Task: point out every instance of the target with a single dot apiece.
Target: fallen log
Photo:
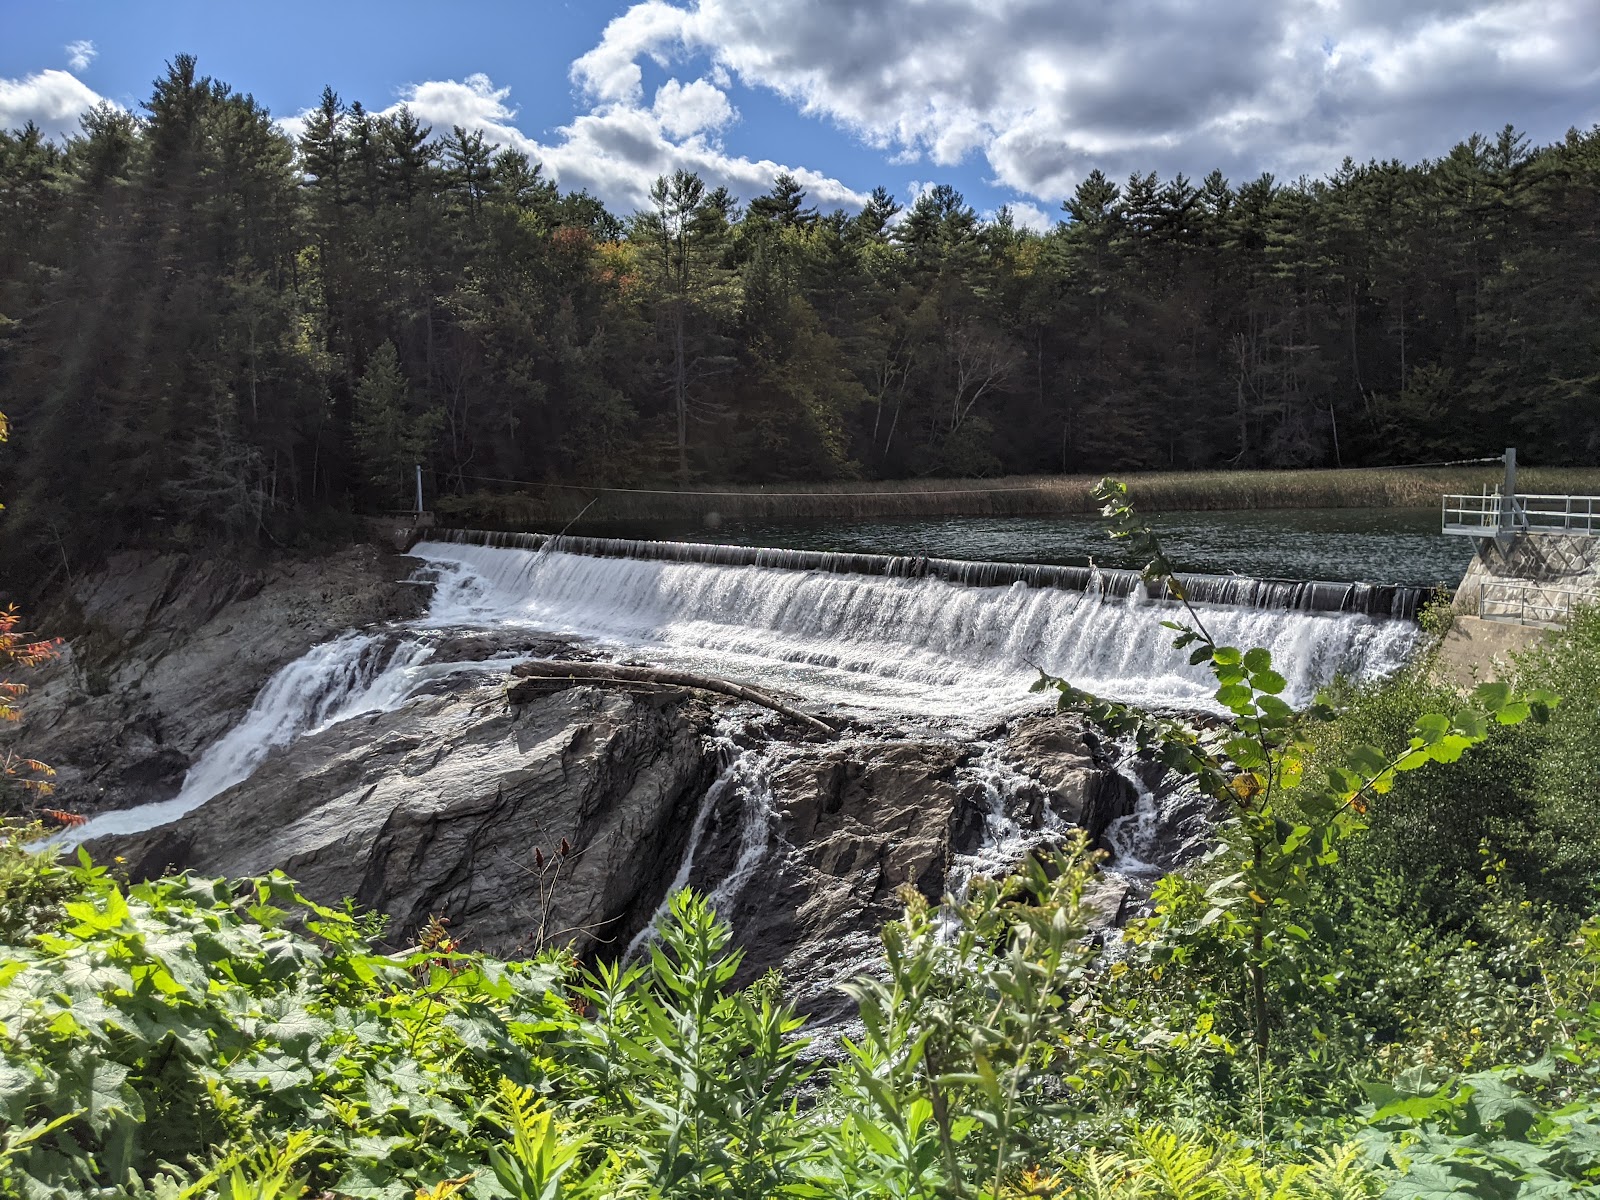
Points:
(602, 672)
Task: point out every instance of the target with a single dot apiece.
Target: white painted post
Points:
(419, 487)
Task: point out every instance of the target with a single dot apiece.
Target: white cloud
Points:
(1044, 90)
(610, 72)
(80, 54)
(617, 149)
(685, 109)
(53, 100)
(1031, 216)
(294, 126)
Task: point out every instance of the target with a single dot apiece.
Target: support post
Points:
(1508, 503)
(419, 489)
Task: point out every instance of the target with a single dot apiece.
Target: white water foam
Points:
(353, 674)
(746, 771)
(1135, 837)
(755, 826)
(910, 646)
(1005, 841)
(889, 644)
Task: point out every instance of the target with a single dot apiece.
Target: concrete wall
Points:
(1535, 577)
(1476, 651)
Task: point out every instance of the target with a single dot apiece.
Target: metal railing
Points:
(1482, 516)
(1528, 603)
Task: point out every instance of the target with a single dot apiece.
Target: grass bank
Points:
(1018, 495)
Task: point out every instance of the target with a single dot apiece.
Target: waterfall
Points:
(909, 643)
(746, 772)
(755, 827)
(913, 637)
(1005, 841)
(1307, 595)
(1135, 837)
(350, 675)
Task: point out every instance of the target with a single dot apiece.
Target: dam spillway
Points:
(928, 636)
(1401, 601)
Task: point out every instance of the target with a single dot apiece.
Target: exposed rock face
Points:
(457, 801)
(440, 806)
(167, 652)
(850, 825)
(1074, 777)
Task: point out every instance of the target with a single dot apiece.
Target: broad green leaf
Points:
(1492, 696)
(1269, 682)
(1431, 727)
(1233, 696)
(1514, 713)
(1369, 761)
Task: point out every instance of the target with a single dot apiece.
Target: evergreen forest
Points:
(211, 329)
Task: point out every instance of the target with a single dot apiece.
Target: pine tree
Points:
(391, 439)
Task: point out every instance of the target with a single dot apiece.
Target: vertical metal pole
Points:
(419, 487)
(1508, 506)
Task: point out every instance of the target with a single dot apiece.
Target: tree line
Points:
(211, 328)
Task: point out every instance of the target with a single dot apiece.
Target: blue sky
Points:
(1013, 101)
(284, 53)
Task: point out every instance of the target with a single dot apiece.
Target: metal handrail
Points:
(1531, 512)
(1534, 603)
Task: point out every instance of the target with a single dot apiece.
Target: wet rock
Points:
(850, 824)
(1075, 782)
(483, 645)
(455, 803)
(440, 807)
(165, 653)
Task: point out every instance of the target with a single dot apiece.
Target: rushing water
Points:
(352, 675)
(746, 774)
(906, 646)
(1388, 545)
(1004, 842)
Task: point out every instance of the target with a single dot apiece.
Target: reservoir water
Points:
(1370, 545)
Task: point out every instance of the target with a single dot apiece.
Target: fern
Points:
(1177, 1168)
(1103, 1175)
(1340, 1174)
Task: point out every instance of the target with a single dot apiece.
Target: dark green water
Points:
(1385, 545)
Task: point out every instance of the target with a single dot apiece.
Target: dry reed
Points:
(1187, 491)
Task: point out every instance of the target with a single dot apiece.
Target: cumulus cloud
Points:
(1030, 216)
(53, 100)
(80, 54)
(1045, 90)
(618, 148)
(1042, 91)
(685, 109)
(293, 126)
